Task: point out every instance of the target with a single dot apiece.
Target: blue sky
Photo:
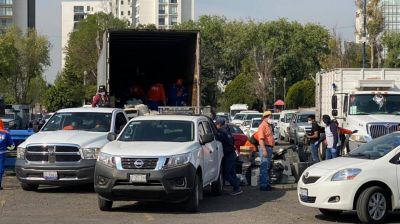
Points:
(339, 14)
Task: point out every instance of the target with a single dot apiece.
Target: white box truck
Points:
(367, 100)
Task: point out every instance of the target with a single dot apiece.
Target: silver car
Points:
(299, 127)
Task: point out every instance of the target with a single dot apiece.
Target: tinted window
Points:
(120, 122)
(377, 148)
(97, 122)
(207, 127)
(302, 118)
(158, 131)
(238, 117)
(251, 116)
(275, 116)
(256, 123)
(235, 129)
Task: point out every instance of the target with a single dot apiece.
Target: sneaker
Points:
(237, 192)
(269, 188)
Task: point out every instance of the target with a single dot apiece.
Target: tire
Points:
(29, 187)
(217, 187)
(372, 205)
(192, 204)
(330, 213)
(104, 205)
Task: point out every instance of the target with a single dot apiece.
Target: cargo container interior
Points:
(146, 57)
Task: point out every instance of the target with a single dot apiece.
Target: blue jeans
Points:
(314, 151)
(229, 170)
(330, 153)
(2, 165)
(265, 166)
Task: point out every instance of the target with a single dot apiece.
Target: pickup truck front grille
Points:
(378, 130)
(53, 153)
(139, 163)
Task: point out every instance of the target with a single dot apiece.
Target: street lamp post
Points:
(284, 91)
(364, 34)
(84, 86)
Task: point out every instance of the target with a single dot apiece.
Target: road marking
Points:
(148, 217)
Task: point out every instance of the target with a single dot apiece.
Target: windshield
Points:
(275, 117)
(288, 117)
(235, 129)
(234, 112)
(159, 131)
(378, 147)
(374, 104)
(84, 121)
(9, 116)
(47, 116)
(256, 123)
(302, 118)
(251, 116)
(238, 117)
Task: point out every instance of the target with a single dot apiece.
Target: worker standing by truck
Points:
(178, 94)
(266, 143)
(6, 143)
(332, 137)
(156, 96)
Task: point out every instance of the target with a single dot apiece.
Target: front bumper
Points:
(162, 185)
(81, 172)
(322, 193)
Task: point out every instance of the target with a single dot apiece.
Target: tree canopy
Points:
(301, 94)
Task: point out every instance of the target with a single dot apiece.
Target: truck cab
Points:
(65, 150)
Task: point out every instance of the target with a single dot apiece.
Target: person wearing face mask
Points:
(101, 98)
(266, 143)
(332, 137)
(314, 137)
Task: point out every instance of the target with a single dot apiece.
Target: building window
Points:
(162, 1)
(78, 17)
(161, 21)
(6, 2)
(88, 8)
(173, 20)
(78, 9)
(129, 23)
(173, 9)
(173, 1)
(161, 9)
(129, 2)
(129, 12)
(122, 2)
(122, 13)
(6, 11)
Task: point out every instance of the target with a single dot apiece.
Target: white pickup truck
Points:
(160, 158)
(65, 150)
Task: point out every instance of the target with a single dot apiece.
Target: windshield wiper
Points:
(360, 155)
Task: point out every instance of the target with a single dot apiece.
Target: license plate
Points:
(303, 193)
(138, 178)
(50, 175)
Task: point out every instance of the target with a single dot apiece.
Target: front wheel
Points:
(217, 187)
(192, 204)
(372, 205)
(330, 213)
(104, 205)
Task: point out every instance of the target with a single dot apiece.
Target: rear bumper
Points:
(170, 185)
(67, 173)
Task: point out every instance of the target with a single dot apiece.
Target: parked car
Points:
(160, 158)
(365, 181)
(255, 122)
(284, 123)
(299, 127)
(223, 115)
(65, 150)
(243, 116)
(238, 135)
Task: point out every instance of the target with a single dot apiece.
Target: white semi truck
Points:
(367, 100)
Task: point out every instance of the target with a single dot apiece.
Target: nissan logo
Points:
(138, 163)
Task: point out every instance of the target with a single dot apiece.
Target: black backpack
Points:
(253, 140)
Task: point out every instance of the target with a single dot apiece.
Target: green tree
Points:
(23, 57)
(375, 25)
(301, 94)
(240, 90)
(392, 42)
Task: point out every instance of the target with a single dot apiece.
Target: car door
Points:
(120, 122)
(213, 161)
(206, 152)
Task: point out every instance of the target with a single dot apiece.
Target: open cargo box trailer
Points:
(144, 57)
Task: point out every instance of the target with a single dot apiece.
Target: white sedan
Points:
(367, 181)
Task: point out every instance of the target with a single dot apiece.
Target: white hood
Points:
(342, 163)
(82, 138)
(139, 148)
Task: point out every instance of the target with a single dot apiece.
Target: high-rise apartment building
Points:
(162, 13)
(18, 12)
(6, 14)
(122, 9)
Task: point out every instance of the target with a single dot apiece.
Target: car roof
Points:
(88, 109)
(255, 119)
(170, 117)
(306, 112)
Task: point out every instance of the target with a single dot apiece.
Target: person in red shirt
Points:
(156, 96)
(101, 98)
(266, 143)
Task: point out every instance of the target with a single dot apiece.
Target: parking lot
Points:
(79, 205)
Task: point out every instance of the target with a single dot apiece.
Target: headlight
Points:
(20, 153)
(179, 160)
(346, 174)
(90, 153)
(360, 138)
(106, 159)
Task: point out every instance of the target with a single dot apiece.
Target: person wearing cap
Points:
(229, 159)
(265, 148)
(6, 144)
(178, 94)
(101, 98)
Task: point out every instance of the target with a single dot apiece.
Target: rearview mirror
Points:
(111, 136)
(334, 102)
(206, 138)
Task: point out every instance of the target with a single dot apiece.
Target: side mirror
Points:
(206, 138)
(111, 136)
(334, 113)
(334, 102)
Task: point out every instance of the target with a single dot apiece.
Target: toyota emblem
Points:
(306, 175)
(138, 163)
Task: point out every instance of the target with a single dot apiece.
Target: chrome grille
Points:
(377, 130)
(53, 153)
(139, 163)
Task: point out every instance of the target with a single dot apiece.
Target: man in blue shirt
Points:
(6, 143)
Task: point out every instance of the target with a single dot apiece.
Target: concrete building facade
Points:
(17, 12)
